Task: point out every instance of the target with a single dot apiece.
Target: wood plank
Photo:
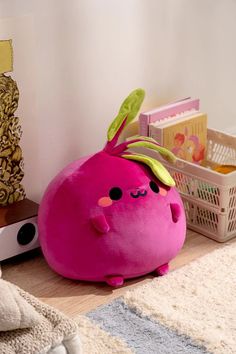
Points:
(30, 272)
(18, 211)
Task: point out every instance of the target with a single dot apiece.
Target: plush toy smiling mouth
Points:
(138, 194)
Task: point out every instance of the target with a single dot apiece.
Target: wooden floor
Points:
(31, 273)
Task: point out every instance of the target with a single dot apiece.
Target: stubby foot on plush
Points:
(162, 270)
(115, 281)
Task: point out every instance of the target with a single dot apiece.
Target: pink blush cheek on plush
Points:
(104, 202)
(163, 192)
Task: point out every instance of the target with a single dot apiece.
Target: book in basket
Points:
(165, 112)
(185, 135)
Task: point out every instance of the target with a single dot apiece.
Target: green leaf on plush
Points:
(128, 112)
(157, 168)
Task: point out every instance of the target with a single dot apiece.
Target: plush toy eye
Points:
(115, 193)
(154, 187)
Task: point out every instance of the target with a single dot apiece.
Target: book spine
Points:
(143, 124)
(176, 109)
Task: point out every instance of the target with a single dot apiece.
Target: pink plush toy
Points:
(114, 215)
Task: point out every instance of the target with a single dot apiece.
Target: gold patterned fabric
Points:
(11, 161)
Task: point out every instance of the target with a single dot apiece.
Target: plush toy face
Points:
(110, 217)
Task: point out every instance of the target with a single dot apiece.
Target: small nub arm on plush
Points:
(100, 223)
(175, 211)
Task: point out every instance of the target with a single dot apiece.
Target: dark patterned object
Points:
(11, 161)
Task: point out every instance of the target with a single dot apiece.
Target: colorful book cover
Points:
(185, 137)
(165, 111)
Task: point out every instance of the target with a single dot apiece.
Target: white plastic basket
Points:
(209, 197)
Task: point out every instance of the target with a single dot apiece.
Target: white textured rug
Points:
(191, 310)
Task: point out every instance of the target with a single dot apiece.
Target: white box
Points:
(18, 228)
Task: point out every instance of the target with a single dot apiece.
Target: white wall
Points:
(75, 60)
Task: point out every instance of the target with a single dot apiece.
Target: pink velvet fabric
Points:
(82, 239)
